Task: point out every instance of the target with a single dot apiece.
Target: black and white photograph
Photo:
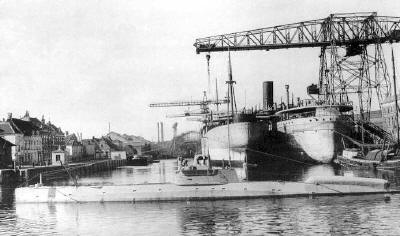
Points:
(211, 117)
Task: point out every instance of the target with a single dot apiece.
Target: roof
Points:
(70, 138)
(73, 143)
(126, 139)
(34, 121)
(88, 141)
(2, 140)
(24, 127)
(58, 151)
(6, 128)
(112, 146)
(28, 126)
(51, 128)
(96, 142)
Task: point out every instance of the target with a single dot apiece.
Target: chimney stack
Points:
(162, 131)
(287, 95)
(9, 116)
(268, 95)
(158, 132)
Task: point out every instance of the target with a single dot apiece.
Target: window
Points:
(58, 157)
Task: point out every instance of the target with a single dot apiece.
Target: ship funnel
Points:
(268, 95)
(287, 95)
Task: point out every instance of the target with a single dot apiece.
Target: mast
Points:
(208, 56)
(395, 97)
(216, 93)
(230, 83)
(229, 135)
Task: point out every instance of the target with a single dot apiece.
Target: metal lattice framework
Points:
(347, 63)
(362, 74)
(204, 109)
(188, 103)
(337, 29)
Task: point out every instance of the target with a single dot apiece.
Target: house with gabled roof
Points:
(5, 154)
(26, 138)
(106, 149)
(74, 147)
(52, 136)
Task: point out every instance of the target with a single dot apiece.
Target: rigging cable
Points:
(208, 56)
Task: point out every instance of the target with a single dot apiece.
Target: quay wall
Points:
(7, 176)
(49, 173)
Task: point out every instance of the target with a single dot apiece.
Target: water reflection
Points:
(293, 216)
(393, 176)
(208, 218)
(100, 219)
(298, 172)
(161, 172)
(6, 196)
(325, 215)
(348, 215)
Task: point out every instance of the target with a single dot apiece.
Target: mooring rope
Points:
(322, 185)
(278, 156)
(66, 195)
(266, 153)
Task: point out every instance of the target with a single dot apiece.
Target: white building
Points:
(59, 157)
(118, 155)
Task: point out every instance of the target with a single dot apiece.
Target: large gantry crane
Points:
(351, 55)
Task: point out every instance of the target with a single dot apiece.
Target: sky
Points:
(85, 64)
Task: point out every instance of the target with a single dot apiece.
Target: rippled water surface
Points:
(351, 215)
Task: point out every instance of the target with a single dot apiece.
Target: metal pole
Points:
(162, 131)
(229, 136)
(208, 56)
(229, 103)
(230, 83)
(216, 93)
(158, 132)
(395, 97)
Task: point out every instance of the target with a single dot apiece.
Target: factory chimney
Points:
(162, 131)
(268, 95)
(287, 95)
(158, 132)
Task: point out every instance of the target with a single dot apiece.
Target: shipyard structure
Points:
(352, 69)
(337, 115)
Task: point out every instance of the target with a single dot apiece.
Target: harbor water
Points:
(360, 215)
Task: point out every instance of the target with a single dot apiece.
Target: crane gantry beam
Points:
(338, 29)
(188, 103)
